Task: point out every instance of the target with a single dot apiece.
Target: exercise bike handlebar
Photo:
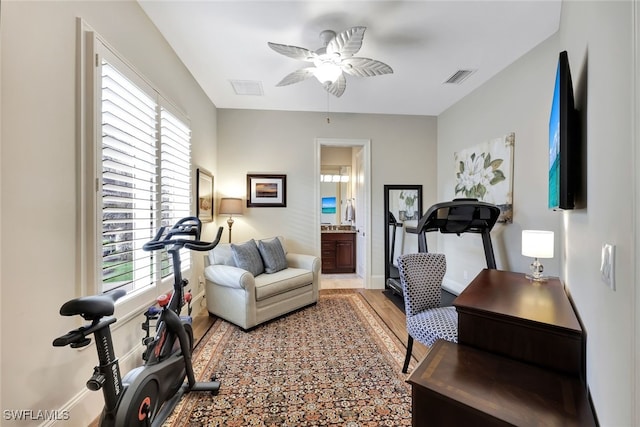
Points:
(189, 226)
(134, 400)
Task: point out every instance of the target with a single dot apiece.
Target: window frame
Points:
(91, 47)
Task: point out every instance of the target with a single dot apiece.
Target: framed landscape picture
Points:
(267, 191)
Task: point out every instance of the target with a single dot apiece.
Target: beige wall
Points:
(333, 157)
(403, 151)
(38, 194)
(517, 100)
(598, 38)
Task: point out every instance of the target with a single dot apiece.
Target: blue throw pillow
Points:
(273, 255)
(247, 257)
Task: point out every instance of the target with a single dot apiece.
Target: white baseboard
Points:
(199, 304)
(85, 407)
(376, 282)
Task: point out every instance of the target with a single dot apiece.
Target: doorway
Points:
(360, 200)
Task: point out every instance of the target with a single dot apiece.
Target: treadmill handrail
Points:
(458, 216)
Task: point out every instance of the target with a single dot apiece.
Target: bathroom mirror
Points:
(402, 208)
(335, 189)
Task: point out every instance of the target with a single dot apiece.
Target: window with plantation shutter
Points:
(145, 179)
(175, 175)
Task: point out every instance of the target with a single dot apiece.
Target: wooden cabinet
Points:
(519, 359)
(505, 313)
(338, 252)
(459, 385)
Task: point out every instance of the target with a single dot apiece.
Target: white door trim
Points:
(635, 394)
(366, 146)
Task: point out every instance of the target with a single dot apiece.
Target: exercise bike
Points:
(147, 394)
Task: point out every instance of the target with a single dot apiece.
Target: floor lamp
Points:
(230, 206)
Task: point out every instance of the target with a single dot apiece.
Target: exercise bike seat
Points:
(93, 307)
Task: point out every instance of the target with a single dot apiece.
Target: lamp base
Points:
(230, 223)
(536, 272)
(536, 279)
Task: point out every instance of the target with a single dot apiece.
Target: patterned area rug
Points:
(334, 363)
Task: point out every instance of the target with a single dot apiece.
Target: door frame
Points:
(365, 145)
(635, 395)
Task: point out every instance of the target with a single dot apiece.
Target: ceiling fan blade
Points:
(294, 52)
(297, 76)
(336, 88)
(347, 43)
(365, 67)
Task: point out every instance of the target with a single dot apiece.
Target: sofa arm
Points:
(306, 262)
(229, 276)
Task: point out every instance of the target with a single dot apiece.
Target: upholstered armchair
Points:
(421, 277)
(256, 281)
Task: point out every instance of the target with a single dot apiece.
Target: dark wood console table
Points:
(519, 361)
(504, 312)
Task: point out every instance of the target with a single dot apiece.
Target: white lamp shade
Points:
(537, 243)
(230, 206)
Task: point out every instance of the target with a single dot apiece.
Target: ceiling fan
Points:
(332, 61)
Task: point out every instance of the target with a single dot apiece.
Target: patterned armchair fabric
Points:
(421, 277)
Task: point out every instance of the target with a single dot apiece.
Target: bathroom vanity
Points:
(338, 249)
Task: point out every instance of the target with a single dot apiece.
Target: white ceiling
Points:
(425, 42)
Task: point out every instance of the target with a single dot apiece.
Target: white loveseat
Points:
(247, 298)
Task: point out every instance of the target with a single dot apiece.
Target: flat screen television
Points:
(563, 140)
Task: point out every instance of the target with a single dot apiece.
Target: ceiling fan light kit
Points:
(332, 61)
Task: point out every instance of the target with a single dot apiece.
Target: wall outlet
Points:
(607, 265)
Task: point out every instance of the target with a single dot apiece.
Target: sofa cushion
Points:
(247, 257)
(273, 255)
(268, 285)
(222, 254)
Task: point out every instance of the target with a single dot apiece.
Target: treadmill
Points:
(456, 217)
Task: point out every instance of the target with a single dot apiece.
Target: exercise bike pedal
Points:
(213, 387)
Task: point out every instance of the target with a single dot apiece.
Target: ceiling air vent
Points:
(247, 87)
(459, 76)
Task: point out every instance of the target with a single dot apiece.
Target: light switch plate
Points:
(607, 265)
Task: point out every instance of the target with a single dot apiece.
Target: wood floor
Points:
(394, 318)
(390, 314)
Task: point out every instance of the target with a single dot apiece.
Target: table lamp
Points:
(230, 206)
(537, 244)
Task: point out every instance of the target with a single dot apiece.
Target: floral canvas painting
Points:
(485, 172)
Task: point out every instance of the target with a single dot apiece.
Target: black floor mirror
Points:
(402, 203)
